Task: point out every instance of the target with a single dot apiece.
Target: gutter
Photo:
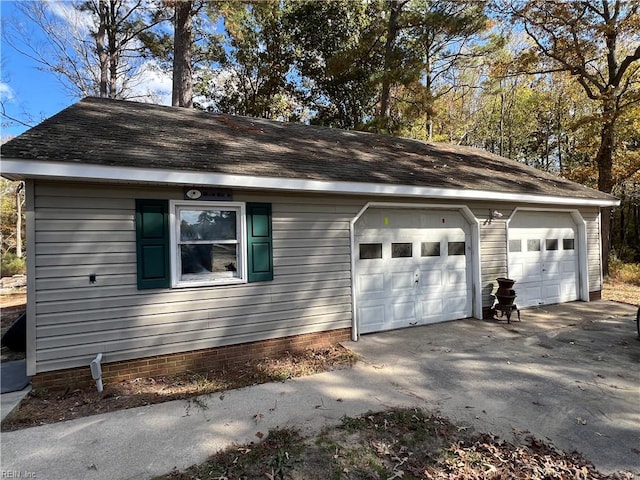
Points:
(19, 169)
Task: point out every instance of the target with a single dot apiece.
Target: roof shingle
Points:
(128, 134)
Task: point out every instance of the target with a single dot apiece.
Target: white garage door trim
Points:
(474, 228)
(581, 247)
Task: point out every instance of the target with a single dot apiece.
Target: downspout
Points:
(355, 334)
(96, 371)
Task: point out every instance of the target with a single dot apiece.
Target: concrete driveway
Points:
(567, 373)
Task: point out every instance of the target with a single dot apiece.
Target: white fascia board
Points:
(102, 173)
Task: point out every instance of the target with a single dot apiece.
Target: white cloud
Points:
(80, 21)
(152, 83)
(6, 92)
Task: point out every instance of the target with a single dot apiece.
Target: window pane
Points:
(401, 250)
(568, 244)
(207, 225)
(533, 245)
(515, 245)
(370, 250)
(456, 248)
(430, 249)
(209, 262)
(551, 244)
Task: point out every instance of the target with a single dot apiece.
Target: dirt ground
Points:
(395, 444)
(621, 292)
(43, 407)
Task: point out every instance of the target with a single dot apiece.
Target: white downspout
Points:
(96, 371)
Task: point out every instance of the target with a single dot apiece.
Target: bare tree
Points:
(91, 46)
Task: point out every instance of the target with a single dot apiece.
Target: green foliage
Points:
(10, 194)
(11, 265)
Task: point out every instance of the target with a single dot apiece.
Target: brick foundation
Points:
(197, 361)
(597, 295)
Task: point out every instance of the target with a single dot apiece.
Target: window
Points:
(568, 244)
(515, 246)
(208, 238)
(370, 251)
(401, 250)
(456, 248)
(189, 243)
(551, 244)
(533, 245)
(430, 249)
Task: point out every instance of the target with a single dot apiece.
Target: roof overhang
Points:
(47, 170)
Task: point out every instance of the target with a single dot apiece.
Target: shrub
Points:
(12, 265)
(624, 272)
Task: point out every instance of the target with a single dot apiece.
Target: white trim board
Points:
(18, 169)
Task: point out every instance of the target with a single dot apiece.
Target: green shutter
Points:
(152, 243)
(259, 242)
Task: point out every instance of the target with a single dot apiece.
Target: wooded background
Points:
(555, 85)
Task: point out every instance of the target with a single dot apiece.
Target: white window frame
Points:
(241, 235)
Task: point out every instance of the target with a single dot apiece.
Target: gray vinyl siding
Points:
(493, 248)
(80, 229)
(84, 229)
(594, 252)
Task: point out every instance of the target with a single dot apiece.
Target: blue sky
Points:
(30, 94)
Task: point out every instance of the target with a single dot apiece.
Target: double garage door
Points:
(543, 258)
(415, 267)
(412, 269)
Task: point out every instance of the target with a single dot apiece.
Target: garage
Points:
(412, 267)
(544, 257)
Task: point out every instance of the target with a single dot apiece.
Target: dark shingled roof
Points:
(128, 134)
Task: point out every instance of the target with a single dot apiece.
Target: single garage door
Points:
(412, 268)
(543, 258)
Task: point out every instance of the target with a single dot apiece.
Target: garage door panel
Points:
(457, 277)
(568, 267)
(542, 257)
(404, 311)
(371, 283)
(431, 308)
(424, 261)
(430, 278)
(528, 294)
(400, 281)
(457, 303)
(551, 270)
(372, 318)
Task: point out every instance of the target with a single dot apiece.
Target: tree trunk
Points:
(101, 49)
(604, 161)
(182, 93)
(389, 47)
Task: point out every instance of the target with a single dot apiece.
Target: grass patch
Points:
(623, 272)
(395, 444)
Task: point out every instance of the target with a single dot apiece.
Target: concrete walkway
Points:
(568, 374)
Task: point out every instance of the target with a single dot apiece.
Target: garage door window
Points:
(401, 250)
(456, 248)
(370, 251)
(430, 249)
(568, 243)
(551, 244)
(515, 246)
(533, 245)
